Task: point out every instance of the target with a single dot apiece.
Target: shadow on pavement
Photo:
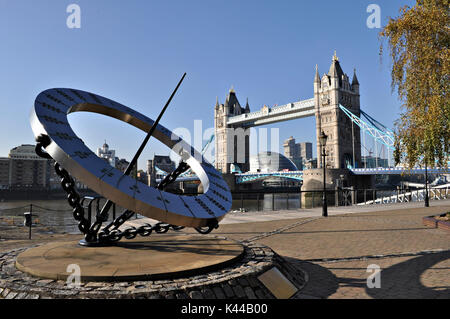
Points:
(403, 280)
(400, 281)
(322, 283)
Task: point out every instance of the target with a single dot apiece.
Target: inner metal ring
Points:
(49, 116)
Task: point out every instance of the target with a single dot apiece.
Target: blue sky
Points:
(135, 51)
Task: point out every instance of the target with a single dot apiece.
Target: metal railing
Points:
(295, 200)
(49, 219)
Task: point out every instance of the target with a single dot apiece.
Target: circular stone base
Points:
(149, 258)
(259, 273)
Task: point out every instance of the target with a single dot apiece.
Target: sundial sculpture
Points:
(56, 140)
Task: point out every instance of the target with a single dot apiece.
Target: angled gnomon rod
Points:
(93, 230)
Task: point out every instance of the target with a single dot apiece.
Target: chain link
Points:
(111, 233)
(170, 178)
(67, 183)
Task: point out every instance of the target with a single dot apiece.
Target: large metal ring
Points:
(49, 116)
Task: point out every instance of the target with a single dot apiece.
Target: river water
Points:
(56, 215)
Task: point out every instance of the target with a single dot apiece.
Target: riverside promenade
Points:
(336, 251)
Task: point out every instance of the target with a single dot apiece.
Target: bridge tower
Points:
(232, 143)
(343, 146)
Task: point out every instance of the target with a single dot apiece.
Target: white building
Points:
(107, 154)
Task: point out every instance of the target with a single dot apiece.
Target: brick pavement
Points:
(336, 252)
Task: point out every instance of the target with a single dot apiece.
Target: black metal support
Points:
(31, 221)
(103, 216)
(324, 196)
(427, 200)
(84, 224)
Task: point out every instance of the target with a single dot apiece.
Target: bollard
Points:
(29, 220)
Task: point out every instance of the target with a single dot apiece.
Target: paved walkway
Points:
(336, 251)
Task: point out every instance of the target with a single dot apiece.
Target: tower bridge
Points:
(336, 110)
(331, 90)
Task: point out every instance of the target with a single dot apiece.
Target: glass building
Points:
(271, 162)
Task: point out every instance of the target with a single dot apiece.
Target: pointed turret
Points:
(336, 70)
(247, 107)
(355, 79)
(317, 83)
(232, 103)
(217, 102)
(317, 77)
(355, 83)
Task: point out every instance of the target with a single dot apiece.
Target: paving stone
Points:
(249, 293)
(5, 292)
(208, 294)
(233, 282)
(239, 292)
(243, 281)
(260, 294)
(181, 295)
(195, 295)
(253, 282)
(96, 284)
(21, 295)
(229, 293)
(218, 292)
(11, 295)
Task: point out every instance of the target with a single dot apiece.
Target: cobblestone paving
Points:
(336, 251)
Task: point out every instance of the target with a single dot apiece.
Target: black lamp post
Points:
(427, 201)
(323, 142)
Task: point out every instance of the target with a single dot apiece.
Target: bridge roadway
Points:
(298, 175)
(266, 115)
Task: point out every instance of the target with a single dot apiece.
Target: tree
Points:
(419, 42)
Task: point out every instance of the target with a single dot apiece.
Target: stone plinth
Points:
(147, 258)
(237, 279)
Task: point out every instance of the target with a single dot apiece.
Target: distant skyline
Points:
(134, 52)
